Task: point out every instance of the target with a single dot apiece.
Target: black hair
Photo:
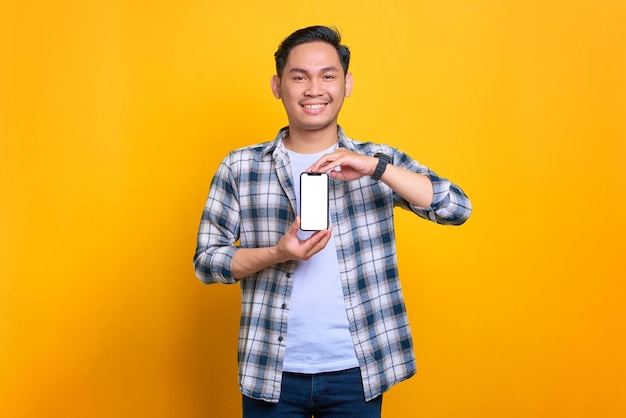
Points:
(311, 34)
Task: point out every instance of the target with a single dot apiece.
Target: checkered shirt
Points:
(251, 204)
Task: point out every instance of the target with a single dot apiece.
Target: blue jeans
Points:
(322, 395)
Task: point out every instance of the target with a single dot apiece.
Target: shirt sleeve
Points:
(450, 205)
(219, 229)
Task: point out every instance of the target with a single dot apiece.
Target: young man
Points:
(324, 331)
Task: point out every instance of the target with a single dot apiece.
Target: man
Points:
(324, 331)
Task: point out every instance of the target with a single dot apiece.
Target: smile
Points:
(313, 106)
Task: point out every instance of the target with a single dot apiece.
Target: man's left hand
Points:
(345, 165)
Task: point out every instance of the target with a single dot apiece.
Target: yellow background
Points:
(115, 114)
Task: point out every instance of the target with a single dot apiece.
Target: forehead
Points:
(313, 55)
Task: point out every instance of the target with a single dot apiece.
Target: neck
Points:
(311, 142)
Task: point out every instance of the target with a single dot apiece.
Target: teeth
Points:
(314, 106)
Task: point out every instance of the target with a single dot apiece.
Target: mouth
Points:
(314, 106)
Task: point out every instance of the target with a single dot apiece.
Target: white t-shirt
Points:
(318, 335)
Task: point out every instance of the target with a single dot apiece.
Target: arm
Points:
(428, 195)
(247, 261)
(229, 264)
(415, 188)
(218, 259)
(219, 229)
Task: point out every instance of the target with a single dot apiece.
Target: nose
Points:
(314, 88)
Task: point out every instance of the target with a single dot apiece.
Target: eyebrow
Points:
(322, 70)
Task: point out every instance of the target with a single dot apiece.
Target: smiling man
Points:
(312, 86)
(324, 330)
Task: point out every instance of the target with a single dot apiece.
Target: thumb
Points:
(295, 226)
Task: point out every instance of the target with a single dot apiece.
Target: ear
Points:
(349, 84)
(276, 86)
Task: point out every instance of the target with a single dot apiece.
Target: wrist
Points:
(383, 161)
(276, 256)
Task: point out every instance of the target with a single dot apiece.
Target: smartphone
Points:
(313, 201)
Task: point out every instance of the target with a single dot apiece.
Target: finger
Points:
(291, 236)
(296, 224)
(337, 175)
(317, 242)
(327, 165)
(323, 161)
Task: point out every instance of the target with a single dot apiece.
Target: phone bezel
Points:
(307, 195)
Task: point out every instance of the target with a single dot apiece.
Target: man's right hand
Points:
(290, 247)
(247, 261)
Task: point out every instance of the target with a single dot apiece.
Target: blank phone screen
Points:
(313, 201)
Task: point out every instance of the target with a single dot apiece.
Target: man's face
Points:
(312, 87)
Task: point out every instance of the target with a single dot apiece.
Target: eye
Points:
(298, 78)
(329, 77)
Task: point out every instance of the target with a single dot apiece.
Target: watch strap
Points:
(383, 160)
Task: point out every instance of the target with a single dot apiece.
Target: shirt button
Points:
(288, 275)
(280, 339)
(284, 305)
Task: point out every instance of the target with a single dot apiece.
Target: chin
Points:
(317, 126)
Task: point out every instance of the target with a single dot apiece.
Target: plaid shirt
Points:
(252, 199)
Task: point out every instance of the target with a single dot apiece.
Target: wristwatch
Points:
(383, 160)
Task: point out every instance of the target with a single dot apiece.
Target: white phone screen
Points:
(313, 201)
